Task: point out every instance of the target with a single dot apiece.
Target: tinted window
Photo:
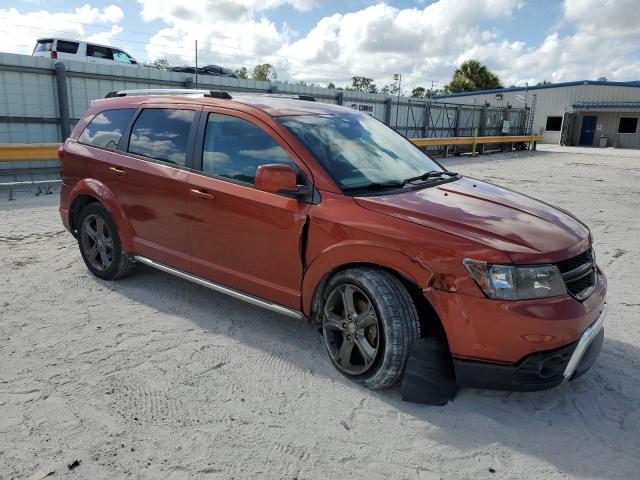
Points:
(67, 47)
(162, 134)
(235, 148)
(119, 56)
(554, 124)
(628, 125)
(106, 128)
(99, 52)
(43, 46)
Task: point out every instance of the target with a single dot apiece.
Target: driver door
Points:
(240, 236)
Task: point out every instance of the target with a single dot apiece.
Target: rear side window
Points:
(44, 46)
(67, 47)
(162, 134)
(99, 52)
(106, 128)
(235, 148)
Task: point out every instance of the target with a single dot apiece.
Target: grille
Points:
(579, 274)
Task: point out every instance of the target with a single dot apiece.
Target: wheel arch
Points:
(89, 191)
(398, 264)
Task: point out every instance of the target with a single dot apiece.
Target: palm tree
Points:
(471, 76)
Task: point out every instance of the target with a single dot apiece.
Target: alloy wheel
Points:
(97, 242)
(350, 329)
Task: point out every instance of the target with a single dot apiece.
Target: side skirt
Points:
(274, 307)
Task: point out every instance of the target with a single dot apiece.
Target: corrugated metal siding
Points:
(556, 101)
(609, 122)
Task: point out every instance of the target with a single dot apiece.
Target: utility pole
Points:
(196, 63)
(398, 78)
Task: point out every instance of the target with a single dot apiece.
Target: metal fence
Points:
(41, 100)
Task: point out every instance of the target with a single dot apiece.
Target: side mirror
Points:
(277, 178)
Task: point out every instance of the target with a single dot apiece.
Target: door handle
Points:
(118, 171)
(203, 194)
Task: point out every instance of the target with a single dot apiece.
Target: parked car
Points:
(82, 52)
(214, 70)
(321, 212)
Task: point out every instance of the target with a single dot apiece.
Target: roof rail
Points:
(170, 91)
(307, 98)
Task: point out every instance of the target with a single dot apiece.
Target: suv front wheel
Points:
(368, 323)
(100, 244)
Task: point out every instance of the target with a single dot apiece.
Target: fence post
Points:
(340, 98)
(475, 142)
(63, 99)
(387, 111)
(188, 82)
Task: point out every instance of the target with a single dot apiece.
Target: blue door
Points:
(588, 130)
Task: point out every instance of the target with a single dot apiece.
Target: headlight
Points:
(512, 282)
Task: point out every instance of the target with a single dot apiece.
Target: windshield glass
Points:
(359, 150)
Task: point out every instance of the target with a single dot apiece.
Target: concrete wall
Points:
(550, 101)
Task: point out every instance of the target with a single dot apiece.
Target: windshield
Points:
(357, 150)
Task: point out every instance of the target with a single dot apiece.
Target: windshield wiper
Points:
(375, 186)
(428, 175)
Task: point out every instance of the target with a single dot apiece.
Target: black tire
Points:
(396, 329)
(107, 260)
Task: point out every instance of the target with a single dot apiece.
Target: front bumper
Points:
(538, 371)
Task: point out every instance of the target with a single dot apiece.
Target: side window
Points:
(162, 134)
(119, 56)
(67, 47)
(106, 128)
(235, 148)
(99, 52)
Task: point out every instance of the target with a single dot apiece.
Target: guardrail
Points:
(36, 159)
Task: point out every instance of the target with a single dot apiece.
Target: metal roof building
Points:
(571, 113)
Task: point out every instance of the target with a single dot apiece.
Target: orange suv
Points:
(323, 213)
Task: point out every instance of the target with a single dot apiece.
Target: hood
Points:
(525, 229)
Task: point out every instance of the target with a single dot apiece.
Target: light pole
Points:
(398, 77)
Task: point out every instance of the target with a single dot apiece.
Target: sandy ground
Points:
(153, 377)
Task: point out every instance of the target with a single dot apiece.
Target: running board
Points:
(245, 297)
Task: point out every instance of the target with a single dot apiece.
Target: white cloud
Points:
(20, 30)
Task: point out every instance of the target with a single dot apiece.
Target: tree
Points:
(242, 73)
(363, 84)
(419, 92)
(265, 72)
(331, 85)
(390, 89)
(471, 76)
(161, 63)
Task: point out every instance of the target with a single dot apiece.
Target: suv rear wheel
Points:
(100, 244)
(368, 323)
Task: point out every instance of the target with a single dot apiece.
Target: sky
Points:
(522, 41)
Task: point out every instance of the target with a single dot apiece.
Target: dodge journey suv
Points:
(323, 213)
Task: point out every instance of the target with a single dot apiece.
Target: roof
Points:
(606, 106)
(272, 104)
(632, 84)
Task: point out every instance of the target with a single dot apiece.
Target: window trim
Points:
(618, 132)
(123, 146)
(275, 136)
(124, 132)
(547, 123)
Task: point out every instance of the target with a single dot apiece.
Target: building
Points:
(595, 113)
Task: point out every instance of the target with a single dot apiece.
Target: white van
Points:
(81, 51)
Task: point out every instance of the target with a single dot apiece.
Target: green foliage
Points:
(472, 76)
(160, 63)
(390, 89)
(331, 85)
(242, 73)
(363, 84)
(265, 72)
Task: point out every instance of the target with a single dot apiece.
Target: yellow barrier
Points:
(28, 152)
(426, 142)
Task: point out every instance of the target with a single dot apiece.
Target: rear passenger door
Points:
(149, 180)
(242, 237)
